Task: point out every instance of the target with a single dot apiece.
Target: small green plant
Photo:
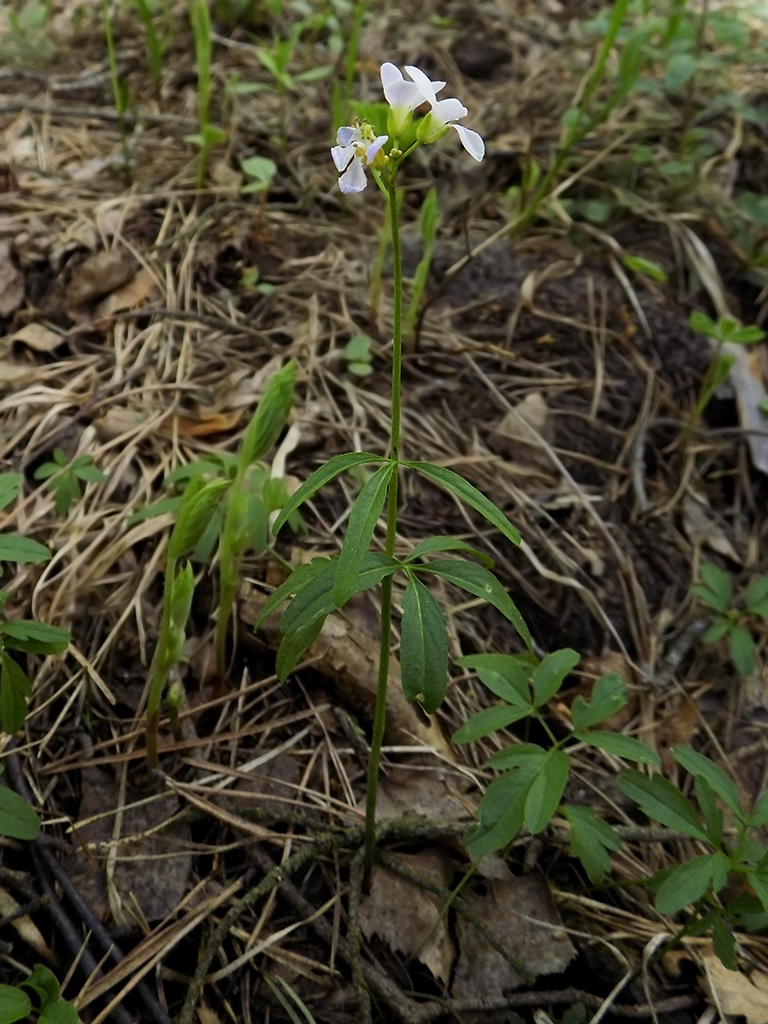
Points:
(120, 91)
(732, 613)
(156, 43)
(209, 135)
(428, 226)
(64, 478)
(15, 1003)
(234, 508)
(726, 330)
(357, 353)
(261, 170)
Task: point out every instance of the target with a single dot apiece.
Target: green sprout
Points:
(65, 478)
(732, 614)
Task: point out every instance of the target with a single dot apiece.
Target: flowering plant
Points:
(325, 584)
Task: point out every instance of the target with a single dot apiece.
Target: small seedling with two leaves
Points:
(732, 614)
(727, 330)
(357, 353)
(65, 478)
(15, 1003)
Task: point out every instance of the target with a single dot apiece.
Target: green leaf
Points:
(14, 1004)
(517, 756)
(756, 592)
(503, 675)
(546, 791)
(718, 581)
(716, 632)
(591, 838)
(182, 593)
(747, 335)
(721, 869)
(724, 944)
(261, 168)
(685, 884)
(487, 721)
(293, 647)
(468, 494)
(88, 473)
(710, 599)
(43, 982)
(15, 687)
(61, 1012)
(197, 508)
(500, 814)
(659, 799)
(34, 637)
(713, 816)
(759, 883)
(759, 815)
(681, 67)
(478, 581)
(742, 647)
(17, 819)
(299, 578)
(10, 485)
(322, 475)
(157, 508)
(362, 522)
(549, 676)
(15, 548)
(270, 416)
(428, 217)
(609, 695)
(701, 322)
(423, 647)
(644, 266)
(621, 746)
(433, 544)
(699, 765)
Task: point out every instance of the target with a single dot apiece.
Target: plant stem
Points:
(380, 714)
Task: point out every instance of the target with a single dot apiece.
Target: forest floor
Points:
(141, 319)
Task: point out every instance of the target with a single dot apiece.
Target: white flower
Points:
(403, 95)
(357, 148)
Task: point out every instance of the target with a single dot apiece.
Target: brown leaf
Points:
(142, 286)
(733, 993)
(702, 529)
(37, 337)
(407, 917)
(98, 275)
(410, 792)
(11, 281)
(521, 915)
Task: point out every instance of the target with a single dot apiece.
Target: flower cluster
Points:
(358, 147)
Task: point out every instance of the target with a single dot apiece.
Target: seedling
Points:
(726, 329)
(732, 614)
(261, 170)
(357, 352)
(65, 478)
(209, 134)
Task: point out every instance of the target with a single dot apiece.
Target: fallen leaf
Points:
(748, 374)
(408, 917)
(37, 337)
(428, 792)
(733, 993)
(699, 524)
(97, 275)
(142, 286)
(520, 432)
(521, 915)
(11, 281)
(17, 373)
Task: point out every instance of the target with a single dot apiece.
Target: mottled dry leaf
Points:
(11, 281)
(406, 916)
(17, 373)
(702, 529)
(142, 286)
(98, 275)
(513, 437)
(734, 993)
(40, 338)
(522, 916)
(748, 376)
(151, 871)
(438, 794)
(213, 423)
(25, 927)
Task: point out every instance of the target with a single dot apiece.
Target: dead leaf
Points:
(733, 993)
(699, 524)
(37, 337)
(514, 438)
(748, 375)
(142, 286)
(97, 275)
(11, 281)
(412, 792)
(17, 373)
(407, 917)
(522, 917)
(144, 875)
(272, 787)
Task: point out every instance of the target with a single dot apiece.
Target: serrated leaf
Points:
(15, 548)
(503, 675)
(316, 598)
(321, 476)
(15, 687)
(34, 637)
(10, 485)
(699, 765)
(17, 819)
(591, 838)
(685, 884)
(468, 494)
(741, 648)
(478, 581)
(362, 522)
(292, 648)
(628, 747)
(546, 791)
(659, 799)
(270, 416)
(487, 721)
(549, 676)
(434, 544)
(609, 695)
(423, 647)
(15, 1004)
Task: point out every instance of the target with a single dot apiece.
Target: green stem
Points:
(159, 669)
(380, 714)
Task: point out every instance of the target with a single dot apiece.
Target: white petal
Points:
(426, 88)
(353, 179)
(342, 155)
(398, 92)
(471, 141)
(374, 148)
(449, 110)
(347, 135)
